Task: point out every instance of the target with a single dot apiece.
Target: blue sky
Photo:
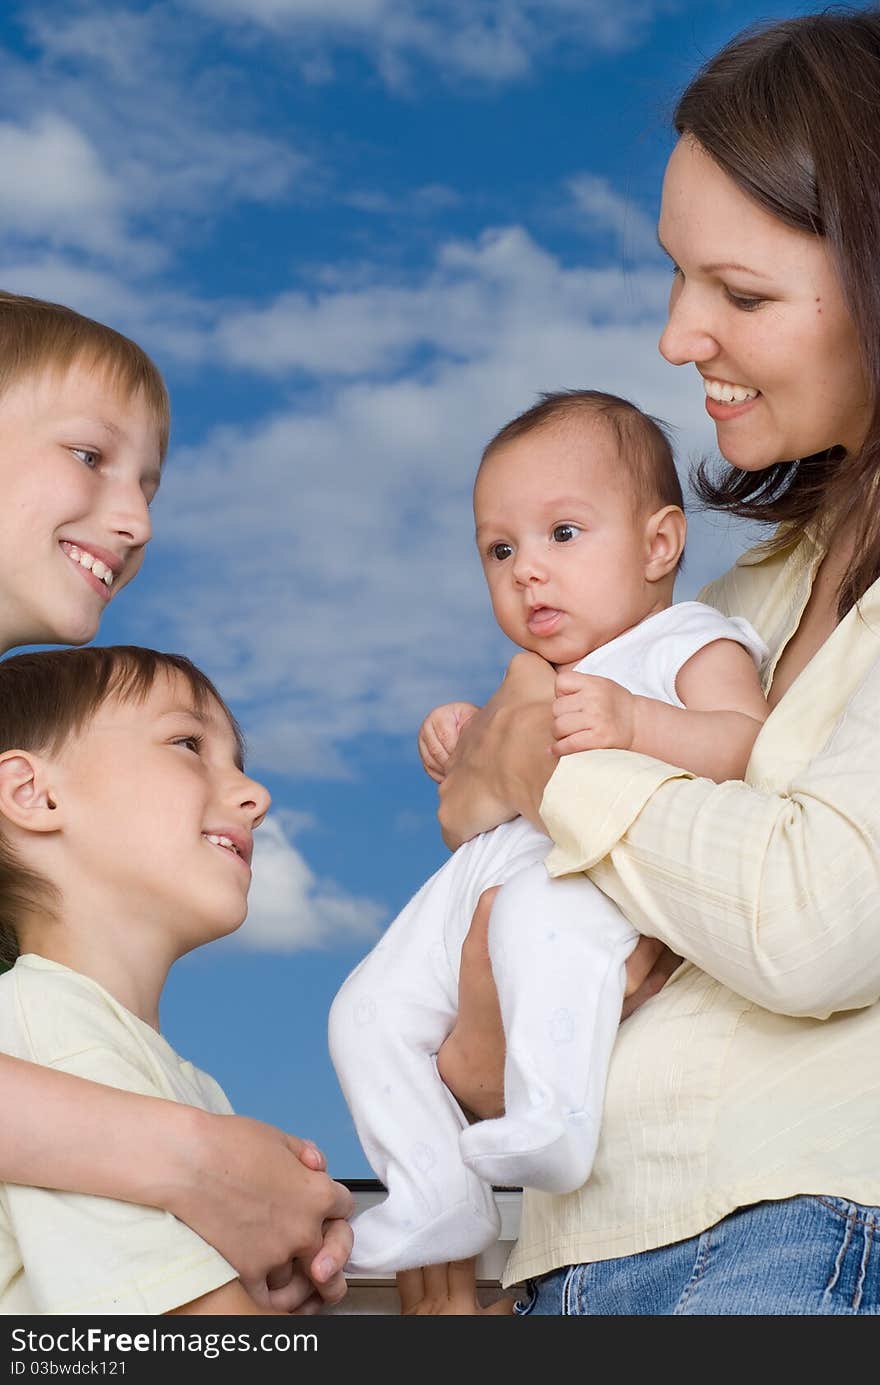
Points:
(357, 236)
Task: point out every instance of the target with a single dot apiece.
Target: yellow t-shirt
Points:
(754, 1073)
(66, 1252)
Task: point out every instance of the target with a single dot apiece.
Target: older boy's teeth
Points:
(222, 841)
(723, 392)
(91, 564)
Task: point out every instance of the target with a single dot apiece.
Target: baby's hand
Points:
(439, 733)
(591, 713)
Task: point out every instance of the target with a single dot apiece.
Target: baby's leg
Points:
(386, 1025)
(558, 949)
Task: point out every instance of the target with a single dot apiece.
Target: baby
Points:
(580, 529)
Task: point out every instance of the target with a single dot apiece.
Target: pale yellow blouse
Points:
(755, 1073)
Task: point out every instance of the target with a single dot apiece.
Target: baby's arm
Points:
(439, 733)
(256, 1194)
(711, 736)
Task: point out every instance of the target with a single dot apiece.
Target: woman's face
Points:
(757, 307)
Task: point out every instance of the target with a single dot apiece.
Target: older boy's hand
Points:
(439, 733)
(592, 713)
(263, 1199)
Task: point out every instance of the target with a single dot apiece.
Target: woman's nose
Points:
(687, 335)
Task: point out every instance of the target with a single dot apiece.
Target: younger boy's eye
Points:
(500, 551)
(564, 533)
(86, 456)
(193, 743)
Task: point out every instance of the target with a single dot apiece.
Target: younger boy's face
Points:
(158, 818)
(79, 465)
(562, 545)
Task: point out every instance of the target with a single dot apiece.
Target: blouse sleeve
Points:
(776, 895)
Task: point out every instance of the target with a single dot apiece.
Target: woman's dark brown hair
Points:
(791, 112)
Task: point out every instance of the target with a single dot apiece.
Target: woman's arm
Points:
(775, 894)
(256, 1194)
(471, 1058)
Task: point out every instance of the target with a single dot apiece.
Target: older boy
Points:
(126, 832)
(580, 530)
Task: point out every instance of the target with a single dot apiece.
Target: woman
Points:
(739, 1168)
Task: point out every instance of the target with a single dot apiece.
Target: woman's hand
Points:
(471, 1058)
(445, 1291)
(263, 1198)
(503, 759)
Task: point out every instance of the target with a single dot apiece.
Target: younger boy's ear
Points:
(25, 793)
(665, 534)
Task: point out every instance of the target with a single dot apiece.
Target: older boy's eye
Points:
(87, 456)
(500, 551)
(564, 533)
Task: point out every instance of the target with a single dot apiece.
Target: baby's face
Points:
(562, 544)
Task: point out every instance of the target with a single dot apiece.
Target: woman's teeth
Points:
(725, 393)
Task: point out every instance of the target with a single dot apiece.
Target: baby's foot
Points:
(539, 1148)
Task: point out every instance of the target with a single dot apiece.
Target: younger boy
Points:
(126, 832)
(580, 528)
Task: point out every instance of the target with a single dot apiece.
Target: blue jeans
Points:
(803, 1255)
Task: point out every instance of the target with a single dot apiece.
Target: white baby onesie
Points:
(558, 949)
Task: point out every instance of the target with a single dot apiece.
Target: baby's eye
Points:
(500, 551)
(564, 533)
(86, 456)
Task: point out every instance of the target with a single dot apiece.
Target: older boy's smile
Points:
(103, 569)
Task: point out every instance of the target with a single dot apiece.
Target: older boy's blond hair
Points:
(37, 336)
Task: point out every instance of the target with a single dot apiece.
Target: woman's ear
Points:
(26, 797)
(665, 533)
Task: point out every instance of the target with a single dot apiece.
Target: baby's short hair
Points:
(45, 699)
(37, 336)
(643, 440)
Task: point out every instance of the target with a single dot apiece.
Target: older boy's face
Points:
(157, 818)
(562, 548)
(79, 465)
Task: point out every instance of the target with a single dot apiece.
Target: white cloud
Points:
(115, 136)
(498, 40)
(291, 909)
(63, 193)
(603, 208)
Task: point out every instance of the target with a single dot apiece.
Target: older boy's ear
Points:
(665, 534)
(25, 792)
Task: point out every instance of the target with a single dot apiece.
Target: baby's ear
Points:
(665, 535)
(25, 792)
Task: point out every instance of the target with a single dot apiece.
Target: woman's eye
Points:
(564, 533)
(86, 456)
(746, 305)
(500, 551)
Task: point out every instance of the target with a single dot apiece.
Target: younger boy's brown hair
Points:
(45, 699)
(38, 336)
